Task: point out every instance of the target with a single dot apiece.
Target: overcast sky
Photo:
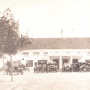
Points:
(47, 18)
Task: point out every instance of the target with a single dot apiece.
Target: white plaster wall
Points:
(79, 54)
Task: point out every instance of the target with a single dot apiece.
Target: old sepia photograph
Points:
(44, 44)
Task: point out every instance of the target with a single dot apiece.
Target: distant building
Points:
(59, 50)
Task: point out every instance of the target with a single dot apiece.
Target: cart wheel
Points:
(21, 72)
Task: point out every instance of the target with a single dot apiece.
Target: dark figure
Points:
(77, 67)
(63, 68)
(71, 68)
(23, 66)
(8, 64)
(8, 68)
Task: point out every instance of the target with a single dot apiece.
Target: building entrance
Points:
(42, 63)
(65, 61)
(56, 61)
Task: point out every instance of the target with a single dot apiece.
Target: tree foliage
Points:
(10, 39)
(9, 35)
(24, 41)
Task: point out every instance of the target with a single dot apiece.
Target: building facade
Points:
(59, 50)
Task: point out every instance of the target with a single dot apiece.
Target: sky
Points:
(51, 18)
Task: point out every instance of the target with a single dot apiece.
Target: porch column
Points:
(71, 61)
(60, 63)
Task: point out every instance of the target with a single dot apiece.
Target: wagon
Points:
(83, 67)
(15, 68)
(65, 67)
(40, 66)
(52, 67)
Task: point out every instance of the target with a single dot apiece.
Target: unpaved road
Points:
(49, 81)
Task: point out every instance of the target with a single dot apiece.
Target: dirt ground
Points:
(46, 81)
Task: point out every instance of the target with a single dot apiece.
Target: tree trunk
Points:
(11, 68)
(3, 64)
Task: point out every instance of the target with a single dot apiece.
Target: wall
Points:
(45, 54)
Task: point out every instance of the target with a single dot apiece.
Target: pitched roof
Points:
(59, 43)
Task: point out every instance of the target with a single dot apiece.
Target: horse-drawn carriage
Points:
(52, 67)
(65, 67)
(46, 67)
(80, 67)
(14, 68)
(40, 68)
(77, 67)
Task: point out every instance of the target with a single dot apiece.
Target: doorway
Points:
(56, 61)
(65, 61)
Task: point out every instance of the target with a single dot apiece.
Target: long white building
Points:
(59, 50)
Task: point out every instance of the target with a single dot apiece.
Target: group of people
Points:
(77, 67)
(45, 67)
(9, 68)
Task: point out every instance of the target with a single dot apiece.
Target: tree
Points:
(9, 34)
(23, 41)
(10, 39)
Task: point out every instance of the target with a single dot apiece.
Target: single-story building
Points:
(59, 50)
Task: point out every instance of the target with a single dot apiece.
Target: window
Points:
(25, 53)
(75, 60)
(88, 52)
(29, 63)
(65, 60)
(45, 52)
(42, 61)
(36, 53)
